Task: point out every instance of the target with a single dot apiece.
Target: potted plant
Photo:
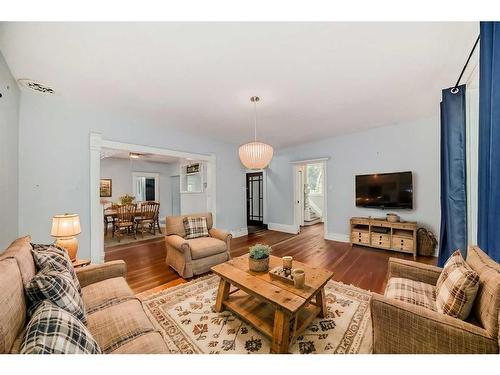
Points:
(258, 260)
(126, 199)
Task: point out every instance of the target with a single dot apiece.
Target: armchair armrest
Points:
(412, 270)
(99, 272)
(400, 327)
(178, 243)
(220, 235)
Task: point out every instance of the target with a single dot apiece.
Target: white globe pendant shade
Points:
(255, 155)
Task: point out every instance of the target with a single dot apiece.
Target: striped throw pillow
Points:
(51, 330)
(56, 286)
(195, 227)
(456, 294)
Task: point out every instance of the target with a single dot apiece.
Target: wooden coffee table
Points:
(277, 309)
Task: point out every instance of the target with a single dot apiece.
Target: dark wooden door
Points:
(255, 199)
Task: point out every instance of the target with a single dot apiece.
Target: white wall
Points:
(9, 132)
(54, 161)
(196, 202)
(120, 171)
(405, 147)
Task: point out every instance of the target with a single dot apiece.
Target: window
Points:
(315, 178)
(145, 186)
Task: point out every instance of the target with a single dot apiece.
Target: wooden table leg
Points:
(281, 332)
(222, 294)
(321, 302)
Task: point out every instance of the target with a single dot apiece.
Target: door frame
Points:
(296, 166)
(96, 144)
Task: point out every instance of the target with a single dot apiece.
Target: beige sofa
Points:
(402, 327)
(115, 316)
(195, 256)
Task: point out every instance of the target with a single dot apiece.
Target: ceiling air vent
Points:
(36, 86)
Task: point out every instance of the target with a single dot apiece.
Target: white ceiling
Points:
(315, 79)
(121, 154)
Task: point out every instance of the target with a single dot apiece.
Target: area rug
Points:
(186, 318)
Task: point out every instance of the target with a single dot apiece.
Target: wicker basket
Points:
(426, 242)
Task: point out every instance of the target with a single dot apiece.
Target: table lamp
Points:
(65, 228)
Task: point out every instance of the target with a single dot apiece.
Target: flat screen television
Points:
(385, 190)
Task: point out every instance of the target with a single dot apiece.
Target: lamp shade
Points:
(255, 155)
(67, 225)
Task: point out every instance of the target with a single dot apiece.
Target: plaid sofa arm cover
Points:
(414, 271)
(400, 327)
(98, 272)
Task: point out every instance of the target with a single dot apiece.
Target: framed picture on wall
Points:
(193, 168)
(106, 187)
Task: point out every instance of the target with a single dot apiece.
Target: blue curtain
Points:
(453, 234)
(489, 140)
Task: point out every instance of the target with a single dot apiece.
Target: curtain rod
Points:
(466, 63)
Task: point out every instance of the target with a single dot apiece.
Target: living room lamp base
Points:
(70, 244)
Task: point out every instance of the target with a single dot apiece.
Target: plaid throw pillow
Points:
(57, 258)
(195, 227)
(57, 286)
(51, 330)
(454, 261)
(456, 294)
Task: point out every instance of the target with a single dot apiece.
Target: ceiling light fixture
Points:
(36, 86)
(133, 155)
(255, 155)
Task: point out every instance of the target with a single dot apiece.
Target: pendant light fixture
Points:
(255, 155)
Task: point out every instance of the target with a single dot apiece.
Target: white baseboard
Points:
(239, 232)
(337, 237)
(282, 228)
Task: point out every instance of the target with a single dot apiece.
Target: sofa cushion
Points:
(487, 304)
(206, 246)
(118, 324)
(58, 287)
(12, 303)
(414, 292)
(106, 293)
(175, 224)
(454, 261)
(456, 294)
(195, 227)
(56, 257)
(20, 250)
(52, 330)
(148, 343)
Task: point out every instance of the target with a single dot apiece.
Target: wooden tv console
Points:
(382, 234)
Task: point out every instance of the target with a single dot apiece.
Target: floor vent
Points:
(36, 86)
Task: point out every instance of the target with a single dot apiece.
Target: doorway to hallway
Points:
(310, 193)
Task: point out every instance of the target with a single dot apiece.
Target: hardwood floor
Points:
(359, 266)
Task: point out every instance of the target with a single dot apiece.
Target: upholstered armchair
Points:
(405, 319)
(190, 257)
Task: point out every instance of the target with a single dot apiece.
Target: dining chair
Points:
(157, 217)
(125, 220)
(147, 218)
(108, 219)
